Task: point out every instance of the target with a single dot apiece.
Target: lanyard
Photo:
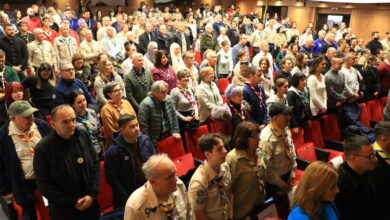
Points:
(259, 95)
(188, 96)
(40, 46)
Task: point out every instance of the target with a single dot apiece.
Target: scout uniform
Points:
(144, 204)
(39, 53)
(210, 191)
(65, 48)
(90, 50)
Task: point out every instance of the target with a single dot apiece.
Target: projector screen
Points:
(354, 1)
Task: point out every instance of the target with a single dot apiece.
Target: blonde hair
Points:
(102, 70)
(316, 181)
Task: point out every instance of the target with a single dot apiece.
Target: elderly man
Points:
(4, 19)
(208, 40)
(67, 168)
(137, 82)
(158, 103)
(112, 45)
(277, 155)
(318, 43)
(146, 38)
(209, 191)
(358, 196)
(192, 67)
(308, 48)
(68, 83)
(162, 197)
(329, 42)
(65, 45)
(102, 32)
(90, 48)
(40, 51)
(264, 52)
(124, 158)
(211, 58)
(15, 49)
(330, 53)
(241, 45)
(18, 137)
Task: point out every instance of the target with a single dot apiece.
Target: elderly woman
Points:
(298, 97)
(176, 59)
(150, 56)
(234, 111)
(40, 87)
(246, 184)
(88, 119)
(115, 107)
(105, 75)
(185, 103)
(163, 71)
(208, 94)
(157, 114)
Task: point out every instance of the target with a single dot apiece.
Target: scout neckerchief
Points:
(168, 209)
(40, 47)
(188, 96)
(241, 113)
(281, 135)
(29, 141)
(218, 180)
(259, 95)
(84, 119)
(119, 108)
(381, 153)
(67, 44)
(260, 180)
(3, 80)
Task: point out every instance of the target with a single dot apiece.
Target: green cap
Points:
(21, 108)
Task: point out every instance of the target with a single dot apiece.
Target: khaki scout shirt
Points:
(90, 50)
(65, 48)
(39, 53)
(143, 204)
(257, 38)
(273, 158)
(269, 35)
(204, 194)
(22, 148)
(245, 184)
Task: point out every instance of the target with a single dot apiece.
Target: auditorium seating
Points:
(192, 141)
(105, 193)
(375, 110)
(171, 147)
(223, 83)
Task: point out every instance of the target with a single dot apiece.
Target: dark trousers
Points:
(282, 202)
(28, 208)
(71, 213)
(255, 51)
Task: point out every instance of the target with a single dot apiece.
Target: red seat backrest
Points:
(105, 193)
(375, 110)
(383, 101)
(184, 163)
(198, 57)
(223, 98)
(192, 141)
(330, 127)
(298, 138)
(307, 152)
(364, 116)
(171, 147)
(314, 134)
(223, 83)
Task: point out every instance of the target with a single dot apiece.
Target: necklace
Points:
(241, 113)
(141, 81)
(188, 96)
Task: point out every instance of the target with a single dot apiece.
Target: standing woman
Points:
(298, 97)
(40, 88)
(150, 56)
(317, 87)
(268, 79)
(301, 66)
(115, 107)
(315, 193)
(176, 59)
(163, 71)
(247, 186)
(88, 119)
(292, 31)
(105, 75)
(184, 100)
(280, 88)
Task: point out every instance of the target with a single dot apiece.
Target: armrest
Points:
(373, 123)
(334, 145)
(302, 163)
(322, 154)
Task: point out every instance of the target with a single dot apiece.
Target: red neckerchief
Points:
(259, 94)
(188, 96)
(241, 114)
(29, 141)
(119, 108)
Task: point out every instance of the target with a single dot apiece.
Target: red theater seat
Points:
(171, 147)
(330, 127)
(192, 141)
(184, 163)
(364, 116)
(375, 110)
(223, 83)
(105, 194)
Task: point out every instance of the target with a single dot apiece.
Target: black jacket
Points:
(301, 112)
(372, 81)
(11, 173)
(357, 198)
(15, 50)
(144, 41)
(120, 170)
(382, 179)
(177, 38)
(233, 35)
(60, 175)
(163, 42)
(374, 46)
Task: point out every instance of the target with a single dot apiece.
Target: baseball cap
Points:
(21, 108)
(278, 108)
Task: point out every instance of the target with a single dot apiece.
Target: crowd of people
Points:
(112, 87)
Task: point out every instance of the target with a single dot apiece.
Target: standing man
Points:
(241, 45)
(146, 38)
(277, 157)
(208, 40)
(40, 51)
(358, 196)
(162, 197)
(65, 45)
(374, 45)
(209, 191)
(319, 42)
(138, 82)
(124, 158)
(386, 43)
(67, 168)
(18, 137)
(90, 48)
(335, 85)
(15, 50)
(23, 33)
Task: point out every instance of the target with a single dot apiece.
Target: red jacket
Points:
(384, 74)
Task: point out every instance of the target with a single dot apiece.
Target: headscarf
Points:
(177, 61)
(149, 54)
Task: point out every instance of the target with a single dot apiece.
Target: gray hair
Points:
(348, 55)
(232, 91)
(56, 109)
(157, 86)
(149, 167)
(62, 63)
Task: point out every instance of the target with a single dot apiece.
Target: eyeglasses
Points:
(68, 70)
(371, 156)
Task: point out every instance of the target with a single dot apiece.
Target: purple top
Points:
(166, 74)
